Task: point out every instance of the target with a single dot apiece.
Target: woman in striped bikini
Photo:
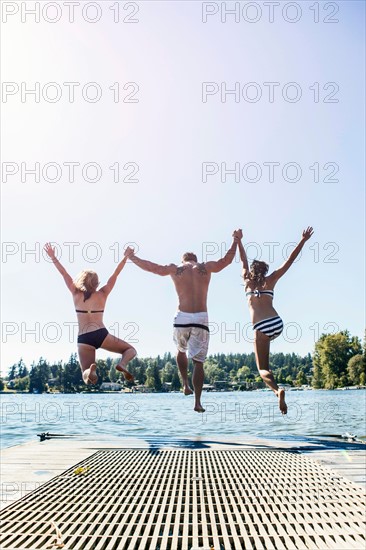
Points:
(267, 324)
(89, 306)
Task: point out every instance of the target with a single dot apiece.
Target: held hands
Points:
(50, 251)
(237, 234)
(307, 233)
(129, 252)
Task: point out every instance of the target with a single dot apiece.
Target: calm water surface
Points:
(138, 415)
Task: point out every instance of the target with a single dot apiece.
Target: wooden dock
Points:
(183, 494)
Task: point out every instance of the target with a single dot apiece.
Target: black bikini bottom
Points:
(94, 338)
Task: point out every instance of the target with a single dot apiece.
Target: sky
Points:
(169, 125)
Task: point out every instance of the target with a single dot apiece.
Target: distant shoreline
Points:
(98, 392)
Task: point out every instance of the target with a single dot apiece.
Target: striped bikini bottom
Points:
(271, 327)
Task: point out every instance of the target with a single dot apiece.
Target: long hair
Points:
(87, 281)
(258, 272)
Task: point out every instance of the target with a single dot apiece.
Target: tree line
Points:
(338, 360)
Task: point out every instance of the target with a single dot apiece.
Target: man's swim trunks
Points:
(191, 333)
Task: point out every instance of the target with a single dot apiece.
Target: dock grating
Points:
(190, 500)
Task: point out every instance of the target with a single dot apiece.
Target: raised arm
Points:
(278, 273)
(151, 267)
(219, 265)
(67, 278)
(107, 288)
(244, 259)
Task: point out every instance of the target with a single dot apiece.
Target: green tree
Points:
(176, 384)
(150, 377)
(138, 368)
(153, 380)
(22, 384)
(167, 372)
(331, 356)
(363, 374)
(114, 375)
(22, 370)
(12, 372)
(301, 378)
(2, 385)
(243, 373)
(213, 373)
(103, 370)
(18, 370)
(317, 381)
(356, 369)
(157, 379)
(38, 376)
(259, 382)
(56, 368)
(72, 378)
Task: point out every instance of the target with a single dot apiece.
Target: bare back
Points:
(90, 321)
(191, 282)
(260, 307)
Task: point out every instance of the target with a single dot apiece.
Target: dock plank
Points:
(161, 494)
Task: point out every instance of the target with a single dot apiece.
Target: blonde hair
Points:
(87, 281)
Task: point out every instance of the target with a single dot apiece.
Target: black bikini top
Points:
(89, 310)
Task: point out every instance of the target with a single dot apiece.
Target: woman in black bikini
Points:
(267, 324)
(89, 305)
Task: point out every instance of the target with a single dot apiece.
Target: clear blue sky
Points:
(170, 132)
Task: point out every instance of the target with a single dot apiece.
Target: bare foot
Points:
(90, 375)
(199, 409)
(128, 376)
(281, 401)
(187, 390)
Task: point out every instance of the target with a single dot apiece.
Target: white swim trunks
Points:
(191, 333)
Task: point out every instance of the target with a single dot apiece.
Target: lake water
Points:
(310, 413)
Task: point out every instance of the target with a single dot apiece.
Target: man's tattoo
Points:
(202, 269)
(180, 269)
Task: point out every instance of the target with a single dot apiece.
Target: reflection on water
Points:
(227, 413)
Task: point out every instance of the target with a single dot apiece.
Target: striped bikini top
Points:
(258, 293)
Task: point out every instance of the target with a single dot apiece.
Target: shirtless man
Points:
(191, 331)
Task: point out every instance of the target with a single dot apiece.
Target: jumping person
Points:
(89, 305)
(267, 324)
(191, 330)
